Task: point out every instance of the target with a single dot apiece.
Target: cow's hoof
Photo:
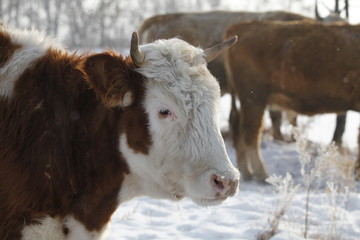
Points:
(246, 176)
(261, 179)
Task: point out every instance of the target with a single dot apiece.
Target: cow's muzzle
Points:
(224, 185)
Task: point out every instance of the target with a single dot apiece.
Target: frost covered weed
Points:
(285, 188)
(324, 163)
(323, 170)
(324, 167)
(338, 201)
(331, 166)
(308, 172)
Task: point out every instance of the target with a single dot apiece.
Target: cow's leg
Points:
(234, 126)
(248, 143)
(292, 118)
(339, 129)
(276, 117)
(234, 119)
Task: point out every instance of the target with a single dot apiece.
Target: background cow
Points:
(208, 28)
(205, 29)
(276, 116)
(81, 134)
(305, 67)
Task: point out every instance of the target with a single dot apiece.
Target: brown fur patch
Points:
(60, 145)
(303, 66)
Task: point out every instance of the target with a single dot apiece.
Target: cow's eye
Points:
(164, 112)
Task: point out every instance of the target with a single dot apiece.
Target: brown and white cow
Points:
(80, 134)
(305, 67)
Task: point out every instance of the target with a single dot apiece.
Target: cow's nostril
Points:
(218, 181)
(224, 186)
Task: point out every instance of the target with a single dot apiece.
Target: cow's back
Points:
(205, 29)
(307, 61)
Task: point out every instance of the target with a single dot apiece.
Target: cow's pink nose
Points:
(224, 186)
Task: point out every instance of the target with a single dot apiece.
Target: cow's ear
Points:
(109, 76)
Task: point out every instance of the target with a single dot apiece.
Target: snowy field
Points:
(333, 214)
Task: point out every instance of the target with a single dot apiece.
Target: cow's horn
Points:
(213, 52)
(136, 55)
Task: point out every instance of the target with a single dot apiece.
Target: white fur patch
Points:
(52, 229)
(144, 179)
(34, 45)
(49, 229)
(77, 231)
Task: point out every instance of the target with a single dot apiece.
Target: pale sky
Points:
(250, 5)
(354, 8)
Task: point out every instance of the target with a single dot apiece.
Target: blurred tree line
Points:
(109, 23)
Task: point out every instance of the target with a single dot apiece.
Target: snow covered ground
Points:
(331, 214)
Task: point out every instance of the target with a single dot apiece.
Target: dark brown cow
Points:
(81, 134)
(333, 17)
(305, 67)
(276, 116)
(205, 29)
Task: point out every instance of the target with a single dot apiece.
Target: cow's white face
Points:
(187, 157)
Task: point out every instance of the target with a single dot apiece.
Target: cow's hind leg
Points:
(248, 144)
(234, 120)
(339, 129)
(276, 117)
